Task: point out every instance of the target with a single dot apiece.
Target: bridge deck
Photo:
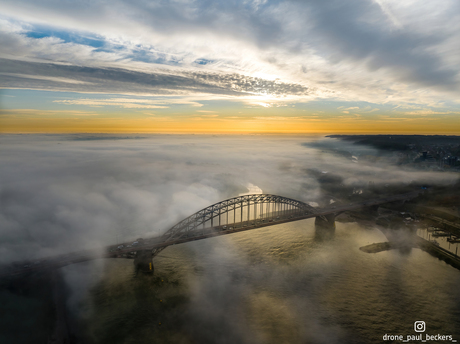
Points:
(159, 242)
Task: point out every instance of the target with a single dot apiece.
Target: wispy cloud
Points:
(128, 103)
(426, 112)
(44, 77)
(125, 81)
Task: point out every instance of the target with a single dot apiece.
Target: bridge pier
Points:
(325, 227)
(144, 262)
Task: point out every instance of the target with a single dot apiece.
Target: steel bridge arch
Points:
(215, 211)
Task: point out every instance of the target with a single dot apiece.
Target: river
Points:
(271, 285)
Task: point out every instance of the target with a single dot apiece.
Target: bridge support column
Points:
(144, 262)
(324, 227)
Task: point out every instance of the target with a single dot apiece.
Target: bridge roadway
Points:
(24, 267)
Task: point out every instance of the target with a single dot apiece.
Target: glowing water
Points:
(274, 285)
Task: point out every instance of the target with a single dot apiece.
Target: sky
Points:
(358, 66)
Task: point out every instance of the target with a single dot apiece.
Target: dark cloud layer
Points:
(345, 30)
(51, 76)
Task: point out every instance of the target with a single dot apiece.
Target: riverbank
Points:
(425, 245)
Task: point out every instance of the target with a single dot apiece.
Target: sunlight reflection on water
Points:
(274, 285)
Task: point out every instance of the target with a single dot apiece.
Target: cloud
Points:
(346, 34)
(374, 51)
(279, 118)
(127, 103)
(44, 77)
(44, 113)
(66, 192)
(160, 82)
(426, 112)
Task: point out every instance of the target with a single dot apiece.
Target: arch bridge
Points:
(229, 216)
(244, 213)
(235, 214)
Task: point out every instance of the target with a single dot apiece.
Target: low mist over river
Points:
(63, 193)
(271, 285)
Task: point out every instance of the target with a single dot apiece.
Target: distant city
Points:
(437, 153)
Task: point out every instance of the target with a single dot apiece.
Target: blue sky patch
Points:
(67, 36)
(203, 61)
